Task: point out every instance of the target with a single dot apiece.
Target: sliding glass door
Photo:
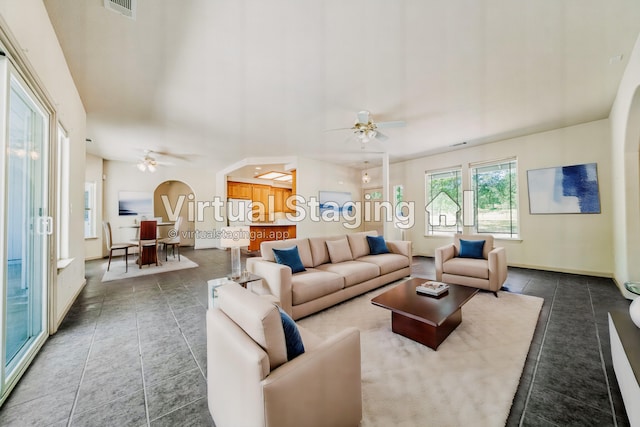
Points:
(25, 223)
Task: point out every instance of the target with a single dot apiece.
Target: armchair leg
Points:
(495, 294)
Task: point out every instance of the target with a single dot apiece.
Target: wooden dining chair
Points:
(172, 240)
(116, 246)
(148, 243)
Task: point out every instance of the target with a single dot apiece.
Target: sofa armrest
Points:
(443, 254)
(276, 277)
(401, 247)
(497, 268)
(321, 387)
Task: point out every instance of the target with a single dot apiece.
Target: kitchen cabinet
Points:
(239, 190)
(261, 206)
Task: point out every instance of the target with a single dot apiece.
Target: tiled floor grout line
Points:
(144, 383)
(190, 351)
(84, 368)
(602, 364)
(535, 367)
(183, 336)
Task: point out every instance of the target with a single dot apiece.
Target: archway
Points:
(178, 194)
(631, 199)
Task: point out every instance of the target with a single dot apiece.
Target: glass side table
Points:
(251, 282)
(246, 279)
(212, 285)
(634, 308)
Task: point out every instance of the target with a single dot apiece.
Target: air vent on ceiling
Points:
(123, 7)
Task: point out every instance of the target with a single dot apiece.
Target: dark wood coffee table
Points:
(425, 319)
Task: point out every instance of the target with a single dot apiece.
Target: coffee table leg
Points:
(424, 333)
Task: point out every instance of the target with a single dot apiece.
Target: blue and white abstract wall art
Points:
(335, 201)
(564, 189)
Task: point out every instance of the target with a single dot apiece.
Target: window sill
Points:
(64, 263)
(91, 238)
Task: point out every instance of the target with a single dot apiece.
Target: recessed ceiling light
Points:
(258, 168)
(271, 175)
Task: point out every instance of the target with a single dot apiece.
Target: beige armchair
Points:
(251, 383)
(488, 273)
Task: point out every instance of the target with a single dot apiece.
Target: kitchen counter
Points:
(267, 231)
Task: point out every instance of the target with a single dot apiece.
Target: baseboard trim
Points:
(68, 307)
(607, 275)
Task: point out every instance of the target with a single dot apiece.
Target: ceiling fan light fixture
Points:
(147, 163)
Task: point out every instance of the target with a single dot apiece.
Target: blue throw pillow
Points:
(295, 347)
(289, 257)
(471, 249)
(377, 245)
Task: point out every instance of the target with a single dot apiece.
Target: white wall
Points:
(625, 137)
(313, 176)
(580, 243)
(93, 173)
(28, 23)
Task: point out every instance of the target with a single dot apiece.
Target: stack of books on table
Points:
(432, 288)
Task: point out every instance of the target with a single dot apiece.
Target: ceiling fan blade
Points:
(363, 117)
(396, 124)
(381, 136)
(331, 130)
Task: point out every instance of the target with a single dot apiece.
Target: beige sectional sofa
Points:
(326, 283)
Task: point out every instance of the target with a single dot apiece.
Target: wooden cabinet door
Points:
(239, 190)
(285, 195)
(278, 196)
(260, 197)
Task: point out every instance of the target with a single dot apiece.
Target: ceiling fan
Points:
(149, 162)
(365, 129)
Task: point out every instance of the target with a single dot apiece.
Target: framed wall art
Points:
(564, 190)
(134, 203)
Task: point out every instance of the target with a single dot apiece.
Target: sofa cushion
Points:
(319, 251)
(313, 284)
(292, 337)
(354, 272)
(387, 262)
(471, 248)
(377, 245)
(339, 250)
(266, 249)
(257, 317)
(289, 257)
(358, 243)
(467, 267)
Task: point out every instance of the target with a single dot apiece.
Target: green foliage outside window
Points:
(496, 202)
(444, 198)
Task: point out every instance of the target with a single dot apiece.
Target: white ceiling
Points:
(222, 80)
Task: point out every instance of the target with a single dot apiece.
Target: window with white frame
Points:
(62, 192)
(443, 201)
(496, 198)
(90, 210)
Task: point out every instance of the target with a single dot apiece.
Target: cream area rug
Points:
(117, 269)
(469, 381)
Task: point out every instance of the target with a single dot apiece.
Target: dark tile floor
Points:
(133, 353)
